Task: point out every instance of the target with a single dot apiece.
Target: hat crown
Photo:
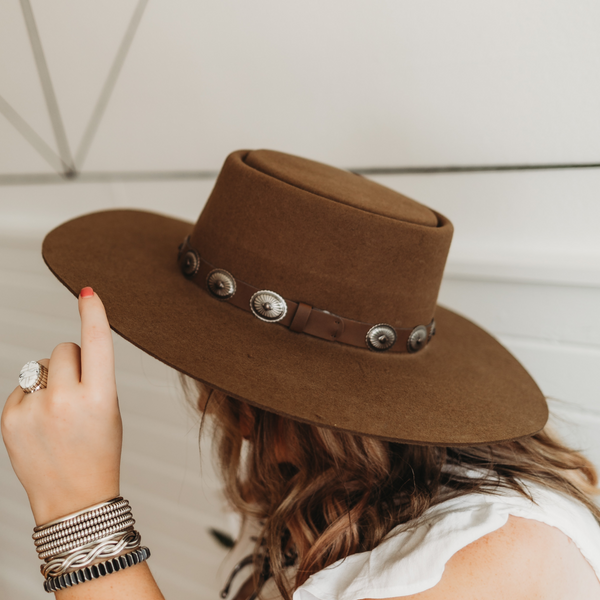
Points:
(325, 237)
(340, 186)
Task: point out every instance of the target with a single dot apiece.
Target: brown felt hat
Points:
(310, 292)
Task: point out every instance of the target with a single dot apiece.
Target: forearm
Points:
(134, 583)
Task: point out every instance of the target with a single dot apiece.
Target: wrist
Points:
(55, 507)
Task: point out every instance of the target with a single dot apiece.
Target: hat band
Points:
(299, 317)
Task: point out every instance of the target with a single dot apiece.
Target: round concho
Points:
(381, 337)
(268, 306)
(190, 263)
(221, 284)
(417, 338)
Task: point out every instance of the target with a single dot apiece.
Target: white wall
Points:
(392, 84)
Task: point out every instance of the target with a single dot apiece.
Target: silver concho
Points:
(417, 338)
(268, 306)
(190, 263)
(381, 337)
(221, 284)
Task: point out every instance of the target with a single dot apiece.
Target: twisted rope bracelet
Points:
(106, 548)
(53, 584)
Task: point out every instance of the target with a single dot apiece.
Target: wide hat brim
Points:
(464, 388)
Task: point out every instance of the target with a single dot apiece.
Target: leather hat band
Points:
(300, 317)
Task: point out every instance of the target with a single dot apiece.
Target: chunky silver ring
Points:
(33, 377)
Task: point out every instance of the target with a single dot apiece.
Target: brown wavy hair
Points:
(324, 494)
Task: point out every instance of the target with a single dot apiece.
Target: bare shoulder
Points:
(524, 559)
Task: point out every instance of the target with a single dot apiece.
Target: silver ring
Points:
(33, 377)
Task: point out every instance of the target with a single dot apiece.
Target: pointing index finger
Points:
(97, 354)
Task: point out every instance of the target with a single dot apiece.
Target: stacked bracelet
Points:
(76, 543)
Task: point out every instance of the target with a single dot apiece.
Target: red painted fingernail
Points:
(86, 292)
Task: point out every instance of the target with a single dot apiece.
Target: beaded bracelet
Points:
(53, 584)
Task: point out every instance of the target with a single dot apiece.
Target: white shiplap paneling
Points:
(539, 224)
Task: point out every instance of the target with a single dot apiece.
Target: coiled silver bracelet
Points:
(79, 517)
(42, 537)
(53, 542)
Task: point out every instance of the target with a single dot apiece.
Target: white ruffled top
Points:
(412, 557)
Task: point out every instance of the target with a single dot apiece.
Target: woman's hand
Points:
(64, 441)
